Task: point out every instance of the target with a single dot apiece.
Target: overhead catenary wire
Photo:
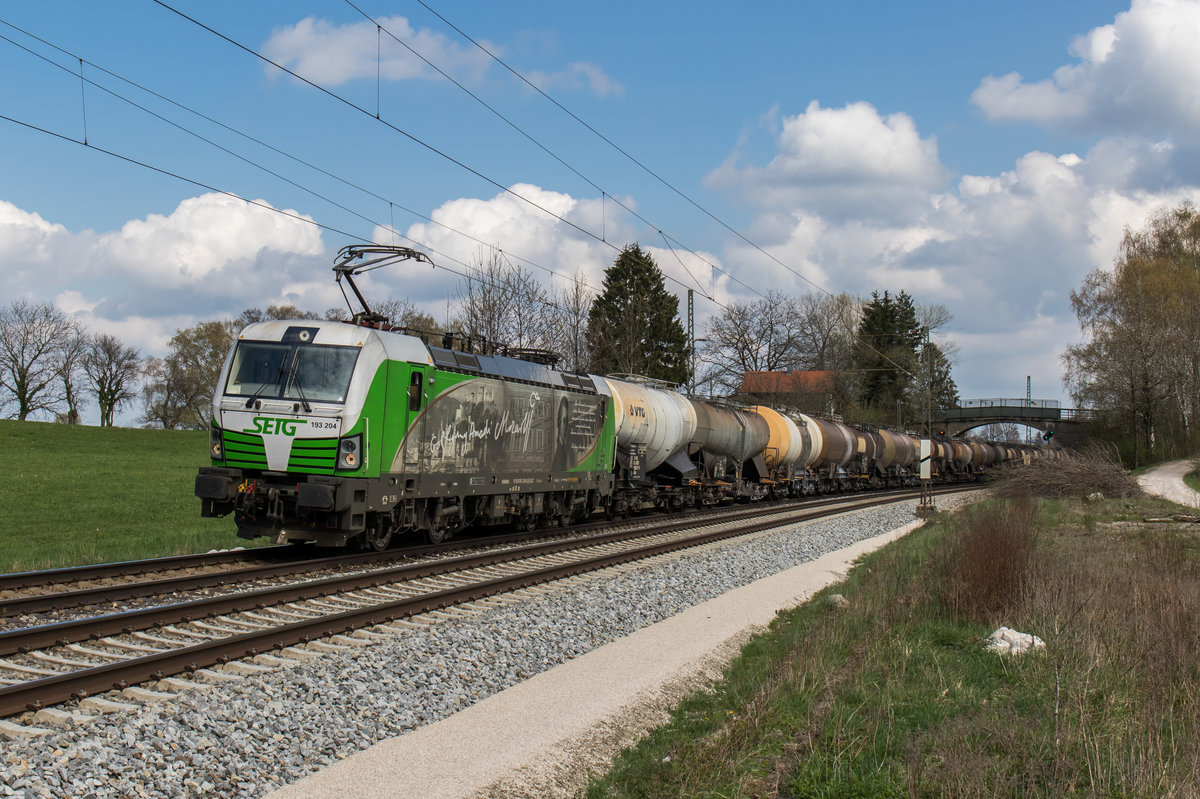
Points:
(470, 275)
(521, 77)
(421, 142)
(532, 139)
(516, 73)
(402, 132)
(391, 203)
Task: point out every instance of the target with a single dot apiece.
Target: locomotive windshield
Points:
(306, 372)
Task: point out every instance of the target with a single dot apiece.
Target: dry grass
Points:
(895, 696)
(984, 568)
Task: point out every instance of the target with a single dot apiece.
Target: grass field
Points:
(895, 696)
(73, 495)
(1192, 480)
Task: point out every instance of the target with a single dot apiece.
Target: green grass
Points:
(73, 495)
(1192, 480)
(895, 696)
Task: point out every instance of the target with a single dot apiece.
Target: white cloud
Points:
(577, 76)
(1002, 251)
(842, 162)
(211, 257)
(332, 54)
(528, 236)
(26, 235)
(1140, 73)
(205, 236)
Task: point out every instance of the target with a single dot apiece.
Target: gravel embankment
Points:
(244, 739)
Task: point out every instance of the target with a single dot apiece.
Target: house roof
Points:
(787, 382)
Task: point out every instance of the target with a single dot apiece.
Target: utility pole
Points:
(926, 508)
(1028, 404)
(691, 341)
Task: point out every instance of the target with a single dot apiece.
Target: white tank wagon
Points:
(653, 424)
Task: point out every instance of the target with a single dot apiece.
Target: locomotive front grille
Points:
(244, 451)
(308, 455)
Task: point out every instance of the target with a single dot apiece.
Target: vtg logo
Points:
(269, 426)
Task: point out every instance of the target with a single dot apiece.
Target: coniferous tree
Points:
(634, 326)
(936, 366)
(885, 354)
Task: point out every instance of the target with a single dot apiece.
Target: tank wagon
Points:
(339, 432)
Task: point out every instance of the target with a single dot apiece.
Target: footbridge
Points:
(1042, 414)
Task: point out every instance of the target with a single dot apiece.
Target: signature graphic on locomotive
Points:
(497, 426)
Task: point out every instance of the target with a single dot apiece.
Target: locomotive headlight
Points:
(215, 446)
(350, 452)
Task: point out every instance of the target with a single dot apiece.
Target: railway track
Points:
(49, 664)
(58, 590)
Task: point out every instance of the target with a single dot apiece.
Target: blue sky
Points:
(985, 158)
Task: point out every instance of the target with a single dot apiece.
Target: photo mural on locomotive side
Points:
(336, 432)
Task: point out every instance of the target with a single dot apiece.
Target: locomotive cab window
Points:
(274, 370)
(415, 388)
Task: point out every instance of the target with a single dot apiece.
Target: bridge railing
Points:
(1020, 402)
(1019, 408)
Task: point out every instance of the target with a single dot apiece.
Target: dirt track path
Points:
(1166, 481)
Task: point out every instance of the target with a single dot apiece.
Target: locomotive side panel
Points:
(488, 426)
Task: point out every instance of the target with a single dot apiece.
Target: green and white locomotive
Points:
(329, 432)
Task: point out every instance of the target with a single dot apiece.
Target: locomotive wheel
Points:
(439, 535)
(378, 539)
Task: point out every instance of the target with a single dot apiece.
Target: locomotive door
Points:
(416, 399)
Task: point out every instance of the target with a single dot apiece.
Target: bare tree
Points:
(162, 394)
(112, 369)
(759, 336)
(827, 325)
(74, 346)
(573, 308)
(252, 315)
(1141, 321)
(777, 333)
(178, 389)
(504, 304)
(31, 343)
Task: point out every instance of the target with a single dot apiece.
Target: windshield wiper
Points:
(294, 379)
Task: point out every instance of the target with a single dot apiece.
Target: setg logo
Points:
(266, 425)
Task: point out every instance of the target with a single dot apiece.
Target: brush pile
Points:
(1077, 475)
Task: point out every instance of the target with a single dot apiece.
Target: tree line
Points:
(1138, 365)
(881, 363)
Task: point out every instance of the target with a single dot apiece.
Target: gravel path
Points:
(1166, 480)
(248, 738)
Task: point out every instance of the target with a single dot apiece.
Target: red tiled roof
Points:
(787, 382)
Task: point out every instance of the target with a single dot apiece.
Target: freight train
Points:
(352, 432)
(334, 432)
